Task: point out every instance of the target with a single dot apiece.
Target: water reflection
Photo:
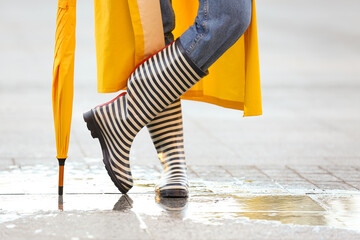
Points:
(124, 203)
(345, 210)
(314, 210)
(206, 205)
(174, 207)
(274, 203)
(172, 204)
(287, 209)
(61, 203)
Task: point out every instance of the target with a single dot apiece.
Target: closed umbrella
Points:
(63, 80)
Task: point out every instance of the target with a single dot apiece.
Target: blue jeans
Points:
(218, 25)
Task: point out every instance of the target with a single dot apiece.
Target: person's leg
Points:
(218, 25)
(166, 131)
(160, 81)
(168, 19)
(151, 88)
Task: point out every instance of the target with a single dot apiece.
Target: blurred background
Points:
(310, 68)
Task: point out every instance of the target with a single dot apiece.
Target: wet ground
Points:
(257, 201)
(292, 173)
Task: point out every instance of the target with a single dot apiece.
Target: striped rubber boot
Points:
(166, 131)
(153, 86)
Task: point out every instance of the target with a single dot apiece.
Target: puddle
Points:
(79, 178)
(332, 211)
(345, 209)
(211, 202)
(286, 209)
(274, 203)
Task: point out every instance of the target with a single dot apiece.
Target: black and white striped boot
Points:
(166, 131)
(152, 87)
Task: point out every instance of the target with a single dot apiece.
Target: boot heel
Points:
(89, 118)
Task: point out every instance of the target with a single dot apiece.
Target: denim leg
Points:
(168, 18)
(218, 25)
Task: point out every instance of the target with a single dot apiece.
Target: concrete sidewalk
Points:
(258, 202)
(293, 173)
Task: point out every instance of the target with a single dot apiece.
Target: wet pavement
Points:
(293, 173)
(285, 202)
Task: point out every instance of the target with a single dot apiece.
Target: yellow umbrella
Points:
(63, 80)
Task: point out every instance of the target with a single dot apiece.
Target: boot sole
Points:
(93, 127)
(173, 193)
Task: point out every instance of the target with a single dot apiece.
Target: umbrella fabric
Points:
(63, 74)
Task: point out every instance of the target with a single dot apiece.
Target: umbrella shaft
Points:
(61, 175)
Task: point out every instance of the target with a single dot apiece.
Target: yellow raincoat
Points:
(128, 31)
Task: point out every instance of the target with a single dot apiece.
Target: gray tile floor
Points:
(292, 173)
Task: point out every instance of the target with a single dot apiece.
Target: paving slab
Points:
(214, 205)
(75, 225)
(144, 216)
